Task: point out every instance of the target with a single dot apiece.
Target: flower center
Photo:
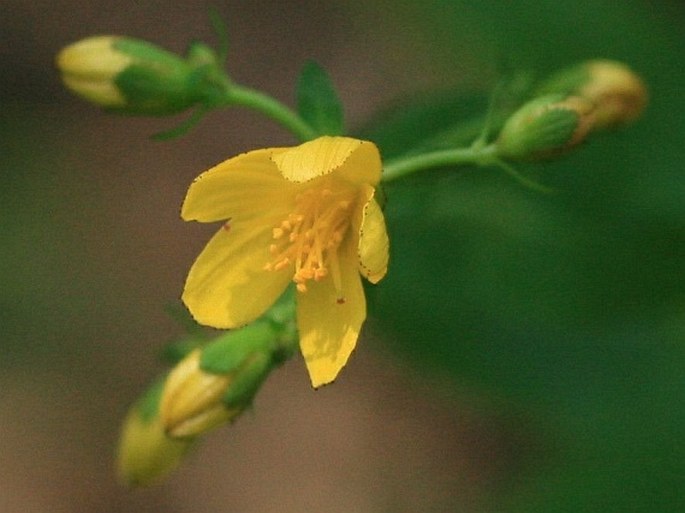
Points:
(309, 237)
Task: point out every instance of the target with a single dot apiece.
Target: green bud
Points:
(145, 452)
(132, 76)
(618, 93)
(215, 384)
(545, 127)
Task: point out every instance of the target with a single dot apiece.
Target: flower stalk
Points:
(271, 108)
(473, 155)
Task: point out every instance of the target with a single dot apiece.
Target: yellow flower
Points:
(305, 214)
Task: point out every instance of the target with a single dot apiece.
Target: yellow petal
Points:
(356, 161)
(364, 166)
(227, 285)
(373, 245)
(329, 321)
(101, 92)
(241, 188)
(93, 58)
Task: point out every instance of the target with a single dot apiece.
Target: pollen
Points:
(306, 242)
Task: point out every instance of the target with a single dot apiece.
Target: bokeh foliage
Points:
(569, 306)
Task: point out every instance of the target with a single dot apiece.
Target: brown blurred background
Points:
(526, 353)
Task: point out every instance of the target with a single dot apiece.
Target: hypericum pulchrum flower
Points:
(306, 215)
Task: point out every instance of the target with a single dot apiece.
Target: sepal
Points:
(545, 127)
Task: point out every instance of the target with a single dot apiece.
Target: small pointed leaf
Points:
(318, 102)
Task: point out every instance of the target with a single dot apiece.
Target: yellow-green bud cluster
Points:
(593, 96)
(212, 382)
(215, 384)
(132, 76)
(208, 387)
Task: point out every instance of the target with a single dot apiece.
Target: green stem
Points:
(478, 155)
(270, 107)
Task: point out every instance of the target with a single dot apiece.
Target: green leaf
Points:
(318, 102)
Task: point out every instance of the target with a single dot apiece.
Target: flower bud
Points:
(145, 452)
(215, 384)
(135, 77)
(545, 127)
(618, 93)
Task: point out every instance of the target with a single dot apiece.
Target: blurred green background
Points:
(525, 352)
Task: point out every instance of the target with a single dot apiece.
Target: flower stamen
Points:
(308, 239)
